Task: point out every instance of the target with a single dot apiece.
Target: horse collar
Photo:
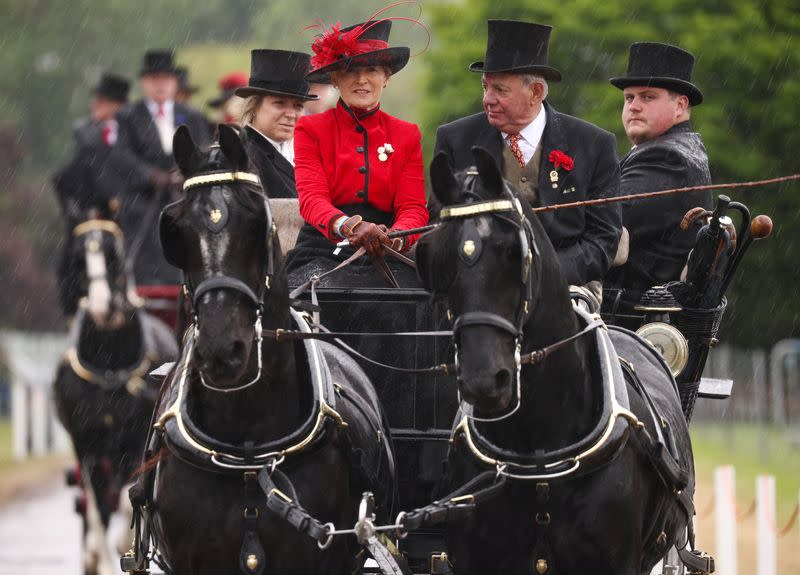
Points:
(191, 444)
(595, 449)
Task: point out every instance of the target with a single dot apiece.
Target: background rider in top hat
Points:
(551, 158)
(658, 100)
(85, 185)
(146, 130)
(274, 100)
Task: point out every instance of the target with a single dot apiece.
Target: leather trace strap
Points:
(457, 505)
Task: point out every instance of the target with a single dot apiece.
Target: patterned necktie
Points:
(161, 113)
(513, 145)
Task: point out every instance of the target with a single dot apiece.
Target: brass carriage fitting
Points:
(541, 566)
(252, 562)
(440, 563)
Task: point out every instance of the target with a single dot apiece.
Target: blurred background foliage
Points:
(747, 66)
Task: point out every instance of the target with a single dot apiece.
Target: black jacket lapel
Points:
(553, 138)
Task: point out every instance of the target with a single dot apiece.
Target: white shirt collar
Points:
(169, 107)
(532, 133)
(286, 149)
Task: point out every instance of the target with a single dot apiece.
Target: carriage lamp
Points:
(669, 342)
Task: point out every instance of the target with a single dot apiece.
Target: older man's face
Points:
(509, 104)
(649, 112)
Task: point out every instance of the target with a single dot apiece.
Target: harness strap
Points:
(317, 278)
(457, 505)
(224, 282)
(485, 318)
(287, 507)
(697, 561)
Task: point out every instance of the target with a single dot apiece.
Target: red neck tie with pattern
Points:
(513, 145)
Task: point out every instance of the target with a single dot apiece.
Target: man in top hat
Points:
(227, 102)
(658, 99)
(145, 158)
(549, 157)
(274, 99)
(86, 185)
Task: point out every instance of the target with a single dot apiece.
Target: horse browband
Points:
(97, 224)
(474, 209)
(220, 178)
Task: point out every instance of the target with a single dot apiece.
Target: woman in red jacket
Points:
(358, 170)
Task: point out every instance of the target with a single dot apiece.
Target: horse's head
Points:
(484, 257)
(221, 235)
(98, 250)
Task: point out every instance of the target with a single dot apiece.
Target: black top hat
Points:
(157, 62)
(519, 48)
(183, 80)
(372, 45)
(112, 87)
(661, 66)
(278, 73)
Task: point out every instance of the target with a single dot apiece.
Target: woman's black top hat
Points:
(278, 73)
(183, 80)
(364, 44)
(157, 62)
(112, 87)
(661, 66)
(518, 48)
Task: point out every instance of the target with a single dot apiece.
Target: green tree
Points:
(747, 61)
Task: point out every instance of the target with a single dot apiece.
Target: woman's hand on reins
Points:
(361, 233)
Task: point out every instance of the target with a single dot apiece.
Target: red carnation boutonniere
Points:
(559, 160)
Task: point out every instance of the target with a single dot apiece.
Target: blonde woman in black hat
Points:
(359, 170)
(658, 97)
(550, 157)
(274, 101)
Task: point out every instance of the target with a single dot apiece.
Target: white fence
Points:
(729, 516)
(31, 360)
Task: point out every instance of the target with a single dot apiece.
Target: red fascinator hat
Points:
(365, 44)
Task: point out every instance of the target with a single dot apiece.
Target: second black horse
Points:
(577, 429)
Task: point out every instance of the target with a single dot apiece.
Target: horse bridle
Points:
(221, 282)
(92, 230)
(498, 208)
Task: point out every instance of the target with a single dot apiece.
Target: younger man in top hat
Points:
(658, 99)
(551, 158)
(146, 130)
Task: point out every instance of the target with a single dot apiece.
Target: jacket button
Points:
(360, 150)
(360, 193)
(523, 179)
(359, 129)
(362, 170)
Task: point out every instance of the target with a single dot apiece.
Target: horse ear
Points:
(443, 182)
(170, 237)
(488, 171)
(232, 147)
(187, 156)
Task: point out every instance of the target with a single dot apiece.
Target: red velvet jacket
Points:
(337, 163)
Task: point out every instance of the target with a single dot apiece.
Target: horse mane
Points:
(149, 464)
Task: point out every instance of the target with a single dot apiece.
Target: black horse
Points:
(102, 391)
(584, 479)
(244, 406)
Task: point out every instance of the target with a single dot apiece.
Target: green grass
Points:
(6, 456)
(753, 451)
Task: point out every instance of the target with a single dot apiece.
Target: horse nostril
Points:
(502, 379)
(237, 352)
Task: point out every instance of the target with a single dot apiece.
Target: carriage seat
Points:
(286, 215)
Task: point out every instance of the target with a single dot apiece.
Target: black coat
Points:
(139, 151)
(275, 171)
(585, 239)
(658, 247)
